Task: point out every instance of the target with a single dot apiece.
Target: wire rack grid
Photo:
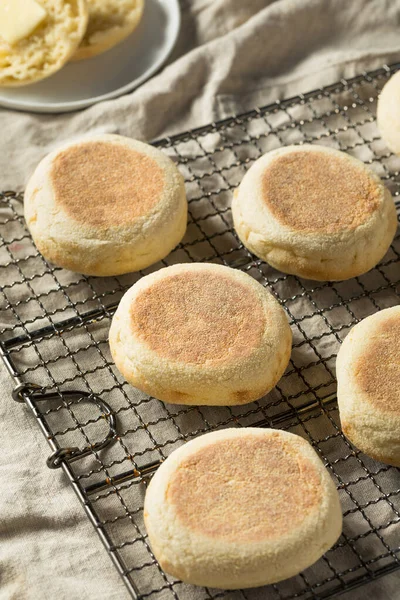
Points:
(108, 437)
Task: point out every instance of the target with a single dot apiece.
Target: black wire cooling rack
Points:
(108, 437)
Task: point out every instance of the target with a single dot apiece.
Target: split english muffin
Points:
(42, 42)
(200, 334)
(106, 205)
(368, 375)
(110, 22)
(241, 508)
(314, 212)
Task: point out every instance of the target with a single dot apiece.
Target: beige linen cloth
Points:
(231, 55)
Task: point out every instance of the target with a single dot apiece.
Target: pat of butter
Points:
(19, 18)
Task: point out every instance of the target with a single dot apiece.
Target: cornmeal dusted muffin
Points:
(200, 334)
(368, 374)
(314, 212)
(106, 205)
(241, 508)
(388, 113)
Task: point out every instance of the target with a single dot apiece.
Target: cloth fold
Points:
(230, 57)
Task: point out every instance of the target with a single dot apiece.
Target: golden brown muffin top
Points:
(377, 370)
(199, 317)
(316, 191)
(247, 489)
(104, 184)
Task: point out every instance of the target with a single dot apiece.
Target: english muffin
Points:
(314, 212)
(106, 205)
(388, 113)
(110, 22)
(57, 28)
(200, 334)
(241, 508)
(368, 375)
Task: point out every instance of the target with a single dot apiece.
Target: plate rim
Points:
(173, 7)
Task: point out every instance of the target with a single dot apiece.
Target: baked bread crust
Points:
(368, 374)
(388, 114)
(200, 334)
(106, 205)
(314, 212)
(240, 508)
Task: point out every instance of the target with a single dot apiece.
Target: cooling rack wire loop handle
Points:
(36, 394)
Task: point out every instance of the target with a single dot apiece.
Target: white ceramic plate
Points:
(114, 73)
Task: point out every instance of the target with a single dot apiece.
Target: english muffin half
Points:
(200, 334)
(368, 374)
(58, 27)
(110, 22)
(241, 508)
(106, 205)
(314, 212)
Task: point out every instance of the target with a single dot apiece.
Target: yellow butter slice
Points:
(19, 18)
